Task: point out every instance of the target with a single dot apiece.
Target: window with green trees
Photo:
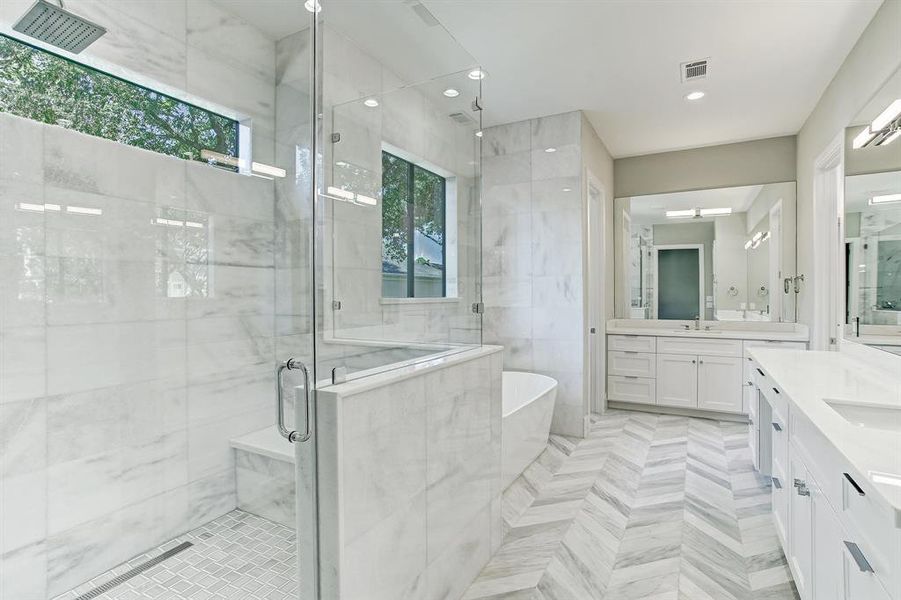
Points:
(413, 230)
(45, 87)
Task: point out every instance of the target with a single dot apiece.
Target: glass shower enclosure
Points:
(207, 214)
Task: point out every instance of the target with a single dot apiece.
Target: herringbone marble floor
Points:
(648, 506)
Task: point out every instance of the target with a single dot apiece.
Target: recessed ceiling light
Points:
(312, 5)
(550, 150)
(451, 93)
(478, 134)
(695, 96)
(567, 189)
(371, 102)
(478, 74)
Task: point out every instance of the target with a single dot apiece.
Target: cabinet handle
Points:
(630, 351)
(776, 483)
(631, 376)
(861, 560)
(853, 483)
(778, 427)
(700, 362)
(693, 361)
(761, 372)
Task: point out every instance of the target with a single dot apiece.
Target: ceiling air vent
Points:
(462, 118)
(423, 13)
(696, 69)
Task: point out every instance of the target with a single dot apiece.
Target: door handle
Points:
(291, 435)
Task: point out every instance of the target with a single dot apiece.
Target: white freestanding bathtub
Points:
(528, 406)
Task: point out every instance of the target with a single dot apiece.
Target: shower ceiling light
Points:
(478, 134)
(550, 150)
(313, 6)
(451, 93)
(477, 74)
(695, 95)
(567, 189)
(885, 199)
(371, 102)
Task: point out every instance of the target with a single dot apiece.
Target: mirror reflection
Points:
(872, 222)
(724, 254)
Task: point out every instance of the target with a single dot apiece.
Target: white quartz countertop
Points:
(715, 332)
(809, 379)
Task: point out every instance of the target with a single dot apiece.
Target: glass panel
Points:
(147, 298)
(399, 203)
(679, 280)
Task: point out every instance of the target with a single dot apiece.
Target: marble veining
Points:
(646, 506)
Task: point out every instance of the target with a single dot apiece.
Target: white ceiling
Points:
(619, 61)
(770, 60)
(652, 208)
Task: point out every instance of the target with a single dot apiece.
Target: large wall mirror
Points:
(724, 254)
(872, 245)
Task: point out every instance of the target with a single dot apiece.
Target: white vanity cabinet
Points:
(703, 371)
(840, 542)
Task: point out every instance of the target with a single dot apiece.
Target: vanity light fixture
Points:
(313, 6)
(715, 212)
(550, 150)
(890, 138)
(886, 116)
(695, 95)
(84, 210)
(884, 129)
(371, 102)
(681, 214)
(757, 236)
(451, 93)
(477, 74)
(885, 199)
(748, 244)
(765, 237)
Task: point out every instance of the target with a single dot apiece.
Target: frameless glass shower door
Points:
(155, 270)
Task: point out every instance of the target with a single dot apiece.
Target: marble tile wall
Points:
(532, 268)
(130, 350)
(413, 507)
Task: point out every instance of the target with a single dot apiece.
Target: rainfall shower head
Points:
(54, 25)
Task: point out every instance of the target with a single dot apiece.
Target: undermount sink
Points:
(886, 418)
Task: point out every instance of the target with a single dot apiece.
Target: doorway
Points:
(679, 281)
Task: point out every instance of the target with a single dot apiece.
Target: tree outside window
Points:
(413, 230)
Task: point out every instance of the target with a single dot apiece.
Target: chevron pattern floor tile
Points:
(652, 507)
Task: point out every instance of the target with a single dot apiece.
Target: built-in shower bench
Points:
(264, 475)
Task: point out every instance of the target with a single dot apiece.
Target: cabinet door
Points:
(719, 383)
(826, 580)
(800, 530)
(677, 380)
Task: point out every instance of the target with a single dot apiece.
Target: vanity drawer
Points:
(635, 364)
(640, 390)
(706, 346)
(871, 526)
(632, 343)
(778, 429)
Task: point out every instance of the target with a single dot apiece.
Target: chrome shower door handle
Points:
(291, 435)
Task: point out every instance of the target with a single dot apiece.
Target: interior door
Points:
(677, 380)
(680, 275)
(719, 383)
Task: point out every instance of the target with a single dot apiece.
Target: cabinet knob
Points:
(700, 362)
(693, 361)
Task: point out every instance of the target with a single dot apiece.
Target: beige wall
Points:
(746, 163)
(870, 63)
(872, 159)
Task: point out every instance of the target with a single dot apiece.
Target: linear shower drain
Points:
(115, 581)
